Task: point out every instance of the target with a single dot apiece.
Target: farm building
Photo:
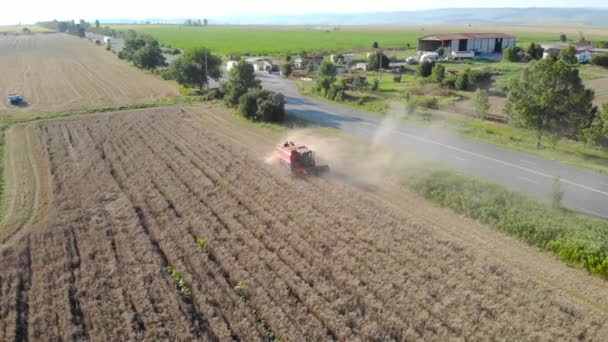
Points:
(583, 50)
(482, 43)
(301, 63)
(260, 63)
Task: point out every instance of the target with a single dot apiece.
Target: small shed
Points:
(483, 43)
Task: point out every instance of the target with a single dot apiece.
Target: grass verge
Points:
(169, 101)
(575, 238)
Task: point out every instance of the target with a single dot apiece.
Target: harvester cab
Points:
(299, 159)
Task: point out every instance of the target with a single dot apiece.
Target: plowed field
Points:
(56, 72)
(132, 192)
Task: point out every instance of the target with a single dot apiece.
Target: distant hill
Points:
(506, 16)
(500, 16)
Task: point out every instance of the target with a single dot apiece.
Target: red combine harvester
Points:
(299, 159)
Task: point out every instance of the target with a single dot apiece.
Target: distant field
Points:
(32, 28)
(285, 39)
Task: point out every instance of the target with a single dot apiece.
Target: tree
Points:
(240, 79)
(375, 45)
(378, 60)
(205, 22)
(568, 55)
(425, 68)
(462, 81)
(62, 26)
(481, 102)
(262, 105)
(26, 30)
(512, 54)
(438, 73)
(195, 67)
(327, 76)
(563, 38)
(535, 51)
(286, 69)
(97, 25)
(550, 97)
(149, 57)
(600, 59)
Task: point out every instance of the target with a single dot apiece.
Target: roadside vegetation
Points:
(576, 238)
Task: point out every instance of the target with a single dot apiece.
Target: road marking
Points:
(459, 158)
(528, 180)
(592, 212)
(523, 168)
(528, 162)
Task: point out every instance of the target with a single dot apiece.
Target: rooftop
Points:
(456, 36)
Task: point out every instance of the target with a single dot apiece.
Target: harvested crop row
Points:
(161, 229)
(57, 72)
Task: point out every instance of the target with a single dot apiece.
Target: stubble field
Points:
(134, 192)
(57, 72)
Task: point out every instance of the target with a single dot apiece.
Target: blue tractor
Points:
(15, 99)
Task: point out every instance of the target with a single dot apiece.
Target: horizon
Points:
(69, 9)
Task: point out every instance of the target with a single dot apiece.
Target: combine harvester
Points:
(15, 99)
(299, 159)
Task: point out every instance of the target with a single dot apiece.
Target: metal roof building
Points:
(485, 43)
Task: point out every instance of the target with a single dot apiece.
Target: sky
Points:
(39, 10)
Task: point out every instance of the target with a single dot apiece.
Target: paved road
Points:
(585, 191)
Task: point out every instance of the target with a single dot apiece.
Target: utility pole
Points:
(206, 72)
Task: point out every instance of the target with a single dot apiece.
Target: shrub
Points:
(438, 73)
(427, 102)
(512, 54)
(336, 91)
(568, 55)
(462, 81)
(176, 52)
(479, 78)
(262, 105)
(450, 82)
(397, 78)
(600, 60)
(575, 238)
(425, 68)
(375, 85)
(286, 69)
(212, 94)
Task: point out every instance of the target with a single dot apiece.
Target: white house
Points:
(107, 40)
(482, 43)
(359, 66)
(231, 64)
(583, 50)
(260, 63)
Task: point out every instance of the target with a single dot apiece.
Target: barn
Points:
(482, 43)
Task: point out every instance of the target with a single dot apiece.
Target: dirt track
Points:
(56, 72)
(131, 193)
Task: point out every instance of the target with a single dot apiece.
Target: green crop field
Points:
(284, 39)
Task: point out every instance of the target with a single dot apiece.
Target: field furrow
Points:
(162, 229)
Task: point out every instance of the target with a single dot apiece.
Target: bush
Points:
(425, 69)
(479, 78)
(286, 69)
(375, 85)
(438, 73)
(336, 91)
(462, 81)
(262, 105)
(212, 94)
(427, 102)
(397, 78)
(600, 60)
(513, 54)
(575, 238)
(450, 82)
(176, 52)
